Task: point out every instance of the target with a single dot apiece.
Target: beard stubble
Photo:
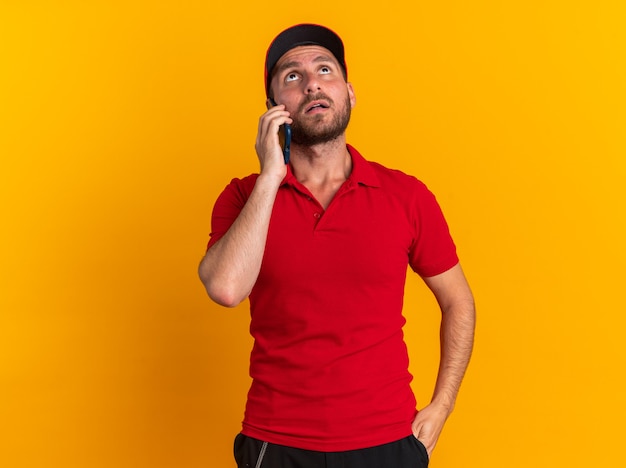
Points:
(314, 131)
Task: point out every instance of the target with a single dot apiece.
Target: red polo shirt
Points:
(329, 363)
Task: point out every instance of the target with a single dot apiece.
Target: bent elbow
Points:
(225, 297)
(223, 293)
(225, 287)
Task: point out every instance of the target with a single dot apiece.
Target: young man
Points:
(321, 247)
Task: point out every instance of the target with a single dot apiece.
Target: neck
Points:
(322, 168)
(322, 163)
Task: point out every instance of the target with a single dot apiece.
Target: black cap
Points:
(299, 35)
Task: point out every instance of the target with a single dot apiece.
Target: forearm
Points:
(231, 266)
(457, 339)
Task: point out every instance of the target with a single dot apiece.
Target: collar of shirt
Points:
(362, 172)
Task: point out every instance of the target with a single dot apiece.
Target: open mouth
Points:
(316, 105)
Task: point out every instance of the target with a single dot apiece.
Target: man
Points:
(321, 247)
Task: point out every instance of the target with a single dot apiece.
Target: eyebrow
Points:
(294, 63)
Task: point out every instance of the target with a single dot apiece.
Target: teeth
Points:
(316, 106)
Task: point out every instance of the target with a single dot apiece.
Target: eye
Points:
(291, 77)
(324, 70)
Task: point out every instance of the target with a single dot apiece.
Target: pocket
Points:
(238, 447)
(249, 452)
(422, 448)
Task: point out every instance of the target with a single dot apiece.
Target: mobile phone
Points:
(284, 135)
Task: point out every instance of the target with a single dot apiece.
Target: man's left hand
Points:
(428, 424)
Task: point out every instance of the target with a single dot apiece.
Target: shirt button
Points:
(317, 215)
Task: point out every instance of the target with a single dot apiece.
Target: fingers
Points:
(270, 123)
(267, 142)
(427, 427)
(425, 436)
(428, 441)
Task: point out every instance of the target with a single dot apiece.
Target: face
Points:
(309, 81)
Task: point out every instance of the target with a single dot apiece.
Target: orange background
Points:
(122, 121)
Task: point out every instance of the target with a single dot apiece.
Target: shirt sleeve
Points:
(433, 250)
(228, 206)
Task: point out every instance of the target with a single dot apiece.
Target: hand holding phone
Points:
(284, 135)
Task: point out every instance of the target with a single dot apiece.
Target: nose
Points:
(311, 84)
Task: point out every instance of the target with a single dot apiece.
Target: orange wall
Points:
(121, 121)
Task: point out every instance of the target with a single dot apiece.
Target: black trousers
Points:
(404, 453)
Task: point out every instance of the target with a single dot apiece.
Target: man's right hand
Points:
(267, 145)
(231, 266)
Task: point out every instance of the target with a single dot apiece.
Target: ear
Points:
(351, 95)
